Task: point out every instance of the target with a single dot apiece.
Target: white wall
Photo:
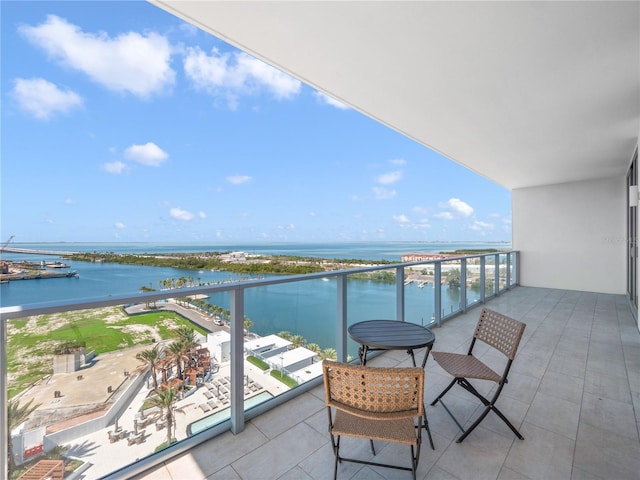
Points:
(572, 235)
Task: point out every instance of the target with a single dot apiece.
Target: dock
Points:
(37, 275)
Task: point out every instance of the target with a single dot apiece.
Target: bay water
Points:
(305, 308)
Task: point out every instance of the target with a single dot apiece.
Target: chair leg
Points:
(443, 393)
(336, 451)
(489, 405)
(505, 420)
(439, 399)
(414, 463)
(475, 424)
(487, 409)
(426, 427)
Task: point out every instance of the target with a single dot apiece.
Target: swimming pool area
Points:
(224, 414)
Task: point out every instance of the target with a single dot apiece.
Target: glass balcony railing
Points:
(115, 385)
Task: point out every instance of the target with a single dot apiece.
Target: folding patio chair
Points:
(503, 334)
(374, 403)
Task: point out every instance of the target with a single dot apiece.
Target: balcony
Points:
(574, 389)
(574, 392)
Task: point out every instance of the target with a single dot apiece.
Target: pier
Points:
(38, 275)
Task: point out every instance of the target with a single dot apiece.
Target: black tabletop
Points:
(391, 335)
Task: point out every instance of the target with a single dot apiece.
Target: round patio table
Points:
(391, 335)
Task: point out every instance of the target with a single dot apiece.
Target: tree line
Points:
(204, 261)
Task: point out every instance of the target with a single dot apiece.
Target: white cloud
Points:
(444, 215)
(116, 167)
(388, 178)
(231, 75)
(420, 210)
(181, 214)
(383, 193)
(148, 154)
(238, 179)
(120, 225)
(481, 226)
(131, 62)
(43, 99)
(202, 215)
(401, 218)
(327, 100)
(406, 222)
(398, 161)
(189, 29)
(69, 201)
(291, 226)
(457, 207)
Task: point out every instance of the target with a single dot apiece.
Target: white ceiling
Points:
(524, 93)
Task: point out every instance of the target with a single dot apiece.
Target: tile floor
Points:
(574, 393)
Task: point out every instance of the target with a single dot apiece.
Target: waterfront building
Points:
(419, 257)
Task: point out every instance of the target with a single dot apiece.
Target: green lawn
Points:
(261, 364)
(31, 343)
(287, 380)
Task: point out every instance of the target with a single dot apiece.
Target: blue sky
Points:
(127, 124)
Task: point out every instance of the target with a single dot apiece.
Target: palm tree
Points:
(143, 289)
(187, 336)
(329, 353)
(152, 357)
(176, 354)
(187, 339)
(285, 335)
(164, 399)
(248, 323)
(314, 347)
(16, 415)
(298, 341)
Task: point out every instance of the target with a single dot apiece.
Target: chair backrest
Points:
(501, 332)
(373, 389)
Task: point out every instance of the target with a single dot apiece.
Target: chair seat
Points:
(399, 430)
(461, 365)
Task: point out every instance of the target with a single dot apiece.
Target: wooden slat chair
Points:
(374, 403)
(503, 334)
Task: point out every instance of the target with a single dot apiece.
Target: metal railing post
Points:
(237, 359)
(463, 285)
(483, 279)
(400, 293)
(341, 324)
(437, 292)
(496, 286)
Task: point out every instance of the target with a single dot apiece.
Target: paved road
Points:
(189, 313)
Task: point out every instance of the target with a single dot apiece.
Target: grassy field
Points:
(32, 341)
